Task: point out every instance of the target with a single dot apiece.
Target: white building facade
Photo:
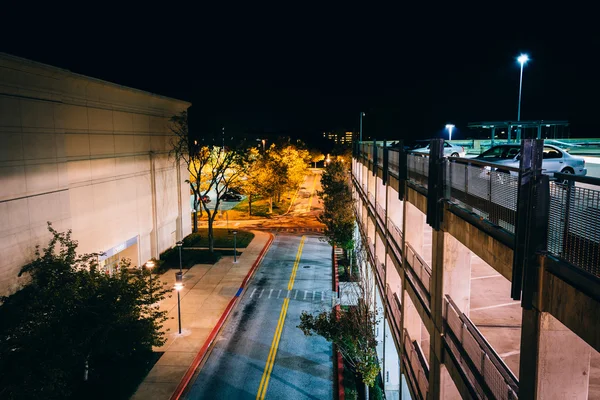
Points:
(85, 155)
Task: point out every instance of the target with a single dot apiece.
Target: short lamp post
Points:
(178, 287)
(180, 245)
(234, 247)
(149, 267)
(449, 127)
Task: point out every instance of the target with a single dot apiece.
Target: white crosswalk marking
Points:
(261, 292)
(270, 293)
(279, 294)
(254, 291)
(296, 295)
(305, 294)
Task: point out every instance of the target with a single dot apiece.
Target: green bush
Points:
(170, 258)
(223, 238)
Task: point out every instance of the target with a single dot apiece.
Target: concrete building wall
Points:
(86, 155)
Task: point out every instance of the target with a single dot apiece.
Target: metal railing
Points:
(394, 162)
(574, 223)
(371, 246)
(395, 233)
(488, 193)
(396, 310)
(368, 148)
(380, 211)
(380, 156)
(371, 199)
(490, 369)
(380, 268)
(420, 371)
(419, 266)
(418, 168)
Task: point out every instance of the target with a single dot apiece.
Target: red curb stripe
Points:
(213, 334)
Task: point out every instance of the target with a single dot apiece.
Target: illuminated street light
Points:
(178, 287)
(449, 127)
(263, 141)
(180, 245)
(522, 59)
(149, 266)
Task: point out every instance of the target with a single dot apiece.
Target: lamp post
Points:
(263, 141)
(234, 247)
(362, 114)
(180, 245)
(522, 59)
(178, 287)
(149, 266)
(449, 127)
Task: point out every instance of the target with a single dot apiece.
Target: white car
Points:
(554, 159)
(450, 150)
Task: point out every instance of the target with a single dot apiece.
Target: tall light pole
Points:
(180, 245)
(178, 287)
(449, 127)
(234, 247)
(362, 114)
(522, 59)
(149, 266)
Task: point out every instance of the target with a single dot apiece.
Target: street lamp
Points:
(362, 114)
(178, 287)
(522, 59)
(180, 245)
(328, 160)
(263, 141)
(149, 267)
(234, 247)
(449, 127)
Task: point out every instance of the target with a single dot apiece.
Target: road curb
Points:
(213, 334)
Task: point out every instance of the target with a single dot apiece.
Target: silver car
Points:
(450, 150)
(554, 160)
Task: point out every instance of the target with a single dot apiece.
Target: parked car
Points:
(450, 150)
(234, 191)
(205, 199)
(554, 159)
(231, 197)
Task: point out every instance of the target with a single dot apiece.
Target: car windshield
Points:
(419, 145)
(506, 152)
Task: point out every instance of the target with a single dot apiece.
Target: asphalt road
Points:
(302, 367)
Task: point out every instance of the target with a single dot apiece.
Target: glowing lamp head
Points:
(523, 58)
(449, 126)
(150, 264)
(178, 281)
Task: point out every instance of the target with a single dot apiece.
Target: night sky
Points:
(302, 71)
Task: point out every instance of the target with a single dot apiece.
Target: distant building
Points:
(339, 137)
(86, 155)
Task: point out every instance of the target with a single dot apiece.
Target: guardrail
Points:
(380, 156)
(394, 161)
(417, 364)
(574, 222)
(380, 268)
(490, 194)
(396, 234)
(380, 211)
(419, 266)
(396, 310)
(371, 199)
(490, 369)
(418, 168)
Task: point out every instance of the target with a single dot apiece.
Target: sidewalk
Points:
(205, 298)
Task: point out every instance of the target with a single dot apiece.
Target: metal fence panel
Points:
(574, 226)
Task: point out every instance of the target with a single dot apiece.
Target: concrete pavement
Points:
(209, 292)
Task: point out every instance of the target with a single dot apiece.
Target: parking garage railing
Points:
(484, 368)
(574, 222)
(396, 310)
(380, 268)
(380, 211)
(418, 168)
(394, 162)
(418, 366)
(419, 267)
(396, 235)
(490, 194)
(371, 199)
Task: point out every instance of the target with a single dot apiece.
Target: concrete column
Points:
(414, 231)
(412, 319)
(555, 362)
(154, 232)
(457, 272)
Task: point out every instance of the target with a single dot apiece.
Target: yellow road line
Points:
(312, 193)
(264, 382)
(296, 263)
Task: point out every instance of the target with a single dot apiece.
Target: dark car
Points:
(205, 199)
(231, 197)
